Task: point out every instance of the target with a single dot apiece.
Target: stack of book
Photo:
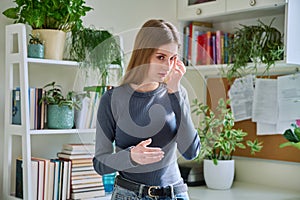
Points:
(49, 179)
(84, 180)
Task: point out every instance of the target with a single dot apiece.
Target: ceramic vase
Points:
(54, 42)
(218, 176)
(35, 51)
(60, 117)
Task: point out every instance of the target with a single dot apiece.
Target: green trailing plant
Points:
(259, 43)
(219, 139)
(53, 96)
(62, 15)
(95, 49)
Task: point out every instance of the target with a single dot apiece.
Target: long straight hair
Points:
(153, 34)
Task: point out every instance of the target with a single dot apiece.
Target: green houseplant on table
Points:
(50, 16)
(219, 139)
(60, 108)
(259, 44)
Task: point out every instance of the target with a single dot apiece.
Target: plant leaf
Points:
(294, 144)
(290, 136)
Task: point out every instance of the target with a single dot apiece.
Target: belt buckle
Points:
(149, 191)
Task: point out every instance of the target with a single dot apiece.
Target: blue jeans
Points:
(120, 193)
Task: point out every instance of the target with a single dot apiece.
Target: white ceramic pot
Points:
(218, 176)
(54, 41)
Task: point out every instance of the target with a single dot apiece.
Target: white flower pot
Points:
(218, 176)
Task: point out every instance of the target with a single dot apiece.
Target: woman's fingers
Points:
(180, 67)
(142, 154)
(145, 142)
(176, 74)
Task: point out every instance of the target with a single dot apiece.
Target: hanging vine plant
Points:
(258, 44)
(95, 49)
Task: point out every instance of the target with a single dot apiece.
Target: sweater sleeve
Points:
(107, 159)
(188, 141)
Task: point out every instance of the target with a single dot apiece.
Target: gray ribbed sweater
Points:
(126, 117)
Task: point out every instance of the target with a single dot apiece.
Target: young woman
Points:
(148, 119)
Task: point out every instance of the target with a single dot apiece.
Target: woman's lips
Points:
(163, 74)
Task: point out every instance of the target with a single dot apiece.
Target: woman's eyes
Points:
(160, 57)
(164, 57)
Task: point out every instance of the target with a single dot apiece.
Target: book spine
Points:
(186, 45)
(19, 179)
(219, 47)
(16, 107)
(209, 49)
(214, 49)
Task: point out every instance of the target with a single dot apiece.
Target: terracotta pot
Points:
(54, 41)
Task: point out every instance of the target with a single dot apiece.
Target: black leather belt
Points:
(152, 191)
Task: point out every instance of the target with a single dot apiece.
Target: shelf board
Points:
(61, 131)
(55, 62)
(281, 67)
(12, 197)
(19, 130)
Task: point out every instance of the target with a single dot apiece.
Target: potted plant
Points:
(50, 17)
(35, 47)
(219, 139)
(96, 50)
(293, 136)
(258, 44)
(60, 108)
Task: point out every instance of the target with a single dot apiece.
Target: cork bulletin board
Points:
(217, 88)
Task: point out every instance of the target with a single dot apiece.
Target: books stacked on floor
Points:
(84, 180)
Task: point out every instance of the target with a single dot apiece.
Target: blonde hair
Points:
(153, 34)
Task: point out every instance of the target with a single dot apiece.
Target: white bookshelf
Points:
(16, 58)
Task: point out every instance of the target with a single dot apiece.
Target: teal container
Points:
(60, 117)
(36, 51)
(108, 182)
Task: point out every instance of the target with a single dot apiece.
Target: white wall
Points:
(125, 17)
(279, 174)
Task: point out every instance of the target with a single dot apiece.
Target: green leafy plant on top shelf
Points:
(96, 49)
(53, 96)
(62, 15)
(259, 43)
(219, 139)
